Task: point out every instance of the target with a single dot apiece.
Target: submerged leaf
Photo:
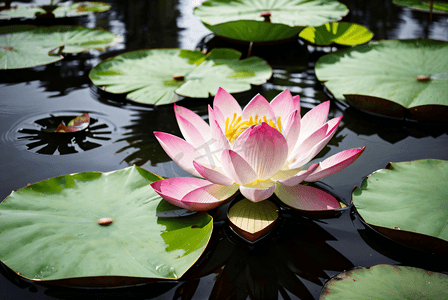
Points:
(386, 282)
(24, 46)
(101, 225)
(154, 76)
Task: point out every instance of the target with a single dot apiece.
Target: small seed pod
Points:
(105, 221)
(423, 78)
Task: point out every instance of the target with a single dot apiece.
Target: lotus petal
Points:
(213, 175)
(335, 163)
(258, 106)
(306, 197)
(292, 129)
(187, 119)
(299, 177)
(314, 119)
(174, 190)
(237, 168)
(264, 148)
(180, 151)
(283, 104)
(226, 104)
(258, 191)
(301, 150)
(208, 197)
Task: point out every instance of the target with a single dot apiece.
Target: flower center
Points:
(236, 127)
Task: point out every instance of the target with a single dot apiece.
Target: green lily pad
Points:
(24, 46)
(395, 78)
(408, 202)
(102, 225)
(154, 76)
(252, 221)
(264, 21)
(437, 6)
(61, 11)
(386, 282)
(349, 34)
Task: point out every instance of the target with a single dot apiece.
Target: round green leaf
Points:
(424, 5)
(98, 224)
(386, 282)
(154, 76)
(244, 20)
(24, 46)
(62, 11)
(408, 198)
(341, 33)
(387, 77)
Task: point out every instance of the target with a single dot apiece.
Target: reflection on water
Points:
(288, 262)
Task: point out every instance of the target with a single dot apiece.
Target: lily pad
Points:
(386, 282)
(24, 46)
(19, 10)
(264, 21)
(100, 225)
(395, 78)
(408, 202)
(154, 76)
(424, 5)
(77, 124)
(252, 221)
(342, 33)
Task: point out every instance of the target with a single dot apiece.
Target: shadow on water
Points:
(44, 140)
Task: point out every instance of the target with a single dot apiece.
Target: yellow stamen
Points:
(236, 127)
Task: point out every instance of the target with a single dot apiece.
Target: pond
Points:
(292, 263)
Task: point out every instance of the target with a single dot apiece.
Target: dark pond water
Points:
(294, 262)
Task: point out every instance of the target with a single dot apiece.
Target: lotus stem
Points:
(267, 16)
(249, 51)
(431, 4)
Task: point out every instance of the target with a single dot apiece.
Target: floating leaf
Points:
(24, 46)
(438, 7)
(252, 220)
(19, 10)
(101, 225)
(408, 202)
(154, 76)
(262, 21)
(386, 282)
(341, 33)
(391, 78)
(77, 124)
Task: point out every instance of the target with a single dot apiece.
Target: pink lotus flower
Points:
(259, 150)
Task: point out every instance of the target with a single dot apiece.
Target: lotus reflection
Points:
(281, 265)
